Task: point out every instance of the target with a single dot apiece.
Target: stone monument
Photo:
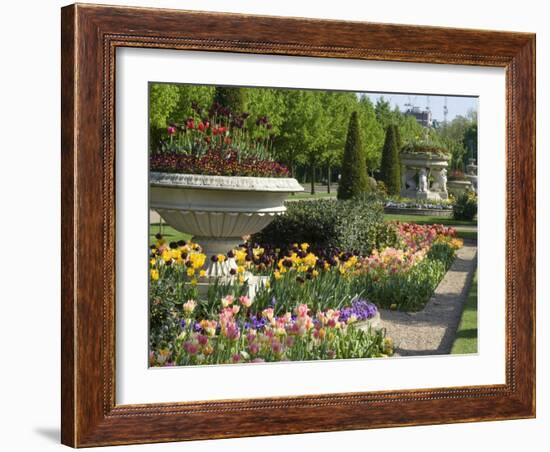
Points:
(424, 172)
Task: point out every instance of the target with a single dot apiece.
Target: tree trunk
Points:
(312, 171)
(328, 179)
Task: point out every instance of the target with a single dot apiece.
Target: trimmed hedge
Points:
(352, 225)
(390, 168)
(354, 180)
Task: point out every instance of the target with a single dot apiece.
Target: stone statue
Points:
(423, 181)
(471, 168)
(440, 183)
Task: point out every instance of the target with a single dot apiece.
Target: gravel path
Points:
(432, 330)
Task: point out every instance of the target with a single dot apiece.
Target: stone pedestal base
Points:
(427, 195)
(218, 246)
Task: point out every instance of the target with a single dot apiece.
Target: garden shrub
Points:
(354, 180)
(352, 225)
(391, 167)
(372, 184)
(465, 207)
(232, 98)
(381, 188)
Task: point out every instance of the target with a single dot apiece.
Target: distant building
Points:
(423, 117)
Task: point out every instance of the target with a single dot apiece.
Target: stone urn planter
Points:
(424, 175)
(219, 210)
(471, 173)
(458, 186)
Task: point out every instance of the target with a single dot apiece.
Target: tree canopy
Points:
(310, 127)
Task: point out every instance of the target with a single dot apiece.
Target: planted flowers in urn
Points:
(212, 179)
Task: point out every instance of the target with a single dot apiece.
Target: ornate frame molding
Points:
(90, 36)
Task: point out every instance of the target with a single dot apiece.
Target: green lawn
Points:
(470, 235)
(420, 219)
(307, 195)
(169, 233)
(466, 334)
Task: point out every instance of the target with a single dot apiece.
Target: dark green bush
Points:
(353, 225)
(465, 207)
(232, 98)
(381, 188)
(354, 180)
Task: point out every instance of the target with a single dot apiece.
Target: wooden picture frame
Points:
(90, 36)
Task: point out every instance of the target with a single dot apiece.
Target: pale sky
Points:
(457, 105)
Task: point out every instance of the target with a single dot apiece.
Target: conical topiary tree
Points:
(390, 168)
(354, 169)
(232, 98)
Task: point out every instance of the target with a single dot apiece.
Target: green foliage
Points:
(354, 171)
(442, 252)
(424, 148)
(391, 167)
(309, 128)
(469, 141)
(163, 98)
(372, 133)
(361, 227)
(465, 207)
(384, 114)
(297, 135)
(409, 129)
(459, 136)
(165, 298)
(172, 103)
(353, 225)
(329, 290)
(232, 98)
(408, 291)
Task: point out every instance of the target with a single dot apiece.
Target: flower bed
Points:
(307, 308)
(217, 142)
(236, 335)
(215, 163)
(424, 147)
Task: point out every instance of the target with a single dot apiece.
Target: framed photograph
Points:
(281, 225)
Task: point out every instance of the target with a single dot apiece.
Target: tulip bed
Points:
(313, 305)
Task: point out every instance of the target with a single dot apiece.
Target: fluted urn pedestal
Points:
(218, 210)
